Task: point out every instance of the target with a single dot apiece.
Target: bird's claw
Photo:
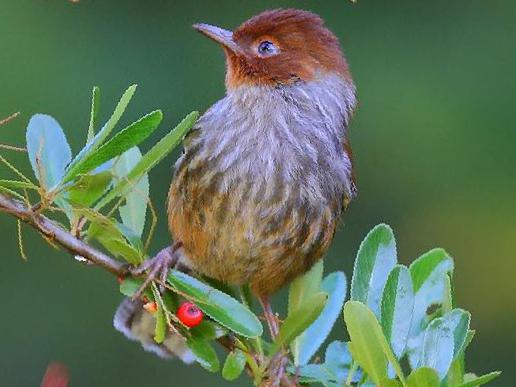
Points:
(156, 267)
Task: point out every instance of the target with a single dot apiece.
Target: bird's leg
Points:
(277, 365)
(270, 316)
(157, 267)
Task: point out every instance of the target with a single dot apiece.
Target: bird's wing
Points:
(352, 193)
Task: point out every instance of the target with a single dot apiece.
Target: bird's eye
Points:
(267, 48)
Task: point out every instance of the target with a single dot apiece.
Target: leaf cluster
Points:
(402, 324)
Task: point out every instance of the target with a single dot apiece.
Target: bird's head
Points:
(278, 47)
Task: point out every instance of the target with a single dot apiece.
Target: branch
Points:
(57, 234)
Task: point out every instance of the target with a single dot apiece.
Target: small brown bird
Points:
(266, 172)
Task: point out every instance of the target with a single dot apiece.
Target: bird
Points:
(267, 172)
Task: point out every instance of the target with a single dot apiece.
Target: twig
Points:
(56, 233)
(9, 118)
(12, 148)
(20, 240)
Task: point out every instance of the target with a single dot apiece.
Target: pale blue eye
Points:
(267, 48)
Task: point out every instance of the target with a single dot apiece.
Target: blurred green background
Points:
(434, 139)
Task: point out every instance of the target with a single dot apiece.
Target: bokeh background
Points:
(434, 140)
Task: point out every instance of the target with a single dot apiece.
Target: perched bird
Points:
(267, 172)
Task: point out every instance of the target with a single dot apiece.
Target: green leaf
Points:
(121, 142)
(333, 372)
(134, 211)
(368, 345)
(100, 137)
(471, 380)
(448, 298)
(307, 344)
(436, 261)
(338, 360)
(443, 341)
(219, 306)
(49, 152)
(18, 184)
(300, 289)
(160, 331)
(171, 302)
(469, 339)
(87, 189)
(207, 330)
(423, 377)
(130, 286)
(299, 320)
(151, 158)
(437, 349)
(234, 365)
(111, 237)
(95, 105)
(204, 353)
(375, 259)
(314, 373)
(389, 383)
(455, 374)
(429, 278)
(397, 307)
(305, 286)
(459, 322)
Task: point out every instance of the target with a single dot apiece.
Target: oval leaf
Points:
(135, 209)
(444, 339)
(437, 350)
(49, 152)
(219, 306)
(338, 360)
(305, 286)
(368, 345)
(204, 353)
(397, 307)
(429, 278)
(299, 320)
(423, 377)
(109, 234)
(234, 365)
(160, 331)
(307, 344)
(375, 259)
(130, 286)
(127, 138)
(88, 189)
(301, 289)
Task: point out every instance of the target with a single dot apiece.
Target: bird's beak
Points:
(219, 35)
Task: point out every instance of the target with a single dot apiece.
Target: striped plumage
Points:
(261, 185)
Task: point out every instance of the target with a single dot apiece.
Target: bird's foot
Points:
(270, 317)
(157, 267)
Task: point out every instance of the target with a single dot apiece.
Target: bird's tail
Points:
(138, 325)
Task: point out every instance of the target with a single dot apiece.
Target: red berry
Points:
(120, 279)
(150, 307)
(189, 314)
